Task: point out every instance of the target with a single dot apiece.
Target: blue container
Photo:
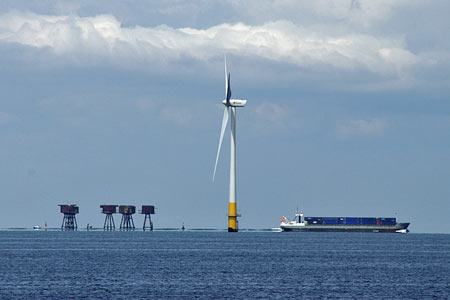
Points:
(330, 222)
(352, 221)
(368, 221)
(330, 218)
(387, 221)
(313, 220)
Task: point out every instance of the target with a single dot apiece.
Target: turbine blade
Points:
(226, 81)
(222, 131)
(229, 89)
(227, 84)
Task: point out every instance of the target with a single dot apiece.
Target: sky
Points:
(119, 102)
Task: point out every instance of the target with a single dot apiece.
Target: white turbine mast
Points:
(230, 103)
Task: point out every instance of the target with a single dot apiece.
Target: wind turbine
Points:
(230, 103)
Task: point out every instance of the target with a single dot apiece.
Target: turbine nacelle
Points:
(235, 102)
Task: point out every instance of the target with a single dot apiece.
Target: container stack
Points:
(349, 221)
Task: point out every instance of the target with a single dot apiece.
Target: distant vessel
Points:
(36, 227)
(343, 224)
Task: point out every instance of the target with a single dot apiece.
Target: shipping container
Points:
(330, 221)
(314, 220)
(352, 221)
(387, 221)
(368, 221)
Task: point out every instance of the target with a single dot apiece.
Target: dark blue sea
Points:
(219, 265)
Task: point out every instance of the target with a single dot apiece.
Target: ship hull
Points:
(397, 228)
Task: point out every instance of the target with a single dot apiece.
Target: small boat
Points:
(36, 227)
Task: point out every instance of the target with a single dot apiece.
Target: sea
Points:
(213, 264)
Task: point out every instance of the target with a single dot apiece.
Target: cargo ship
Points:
(343, 224)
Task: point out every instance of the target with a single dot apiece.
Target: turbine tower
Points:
(230, 103)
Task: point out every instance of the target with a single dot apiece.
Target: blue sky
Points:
(119, 102)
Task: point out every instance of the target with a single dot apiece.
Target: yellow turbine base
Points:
(232, 217)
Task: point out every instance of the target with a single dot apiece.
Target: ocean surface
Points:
(219, 265)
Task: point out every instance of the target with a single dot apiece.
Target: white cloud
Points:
(361, 128)
(103, 36)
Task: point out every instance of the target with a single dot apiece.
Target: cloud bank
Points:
(104, 37)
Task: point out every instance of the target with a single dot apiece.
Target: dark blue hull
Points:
(399, 227)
